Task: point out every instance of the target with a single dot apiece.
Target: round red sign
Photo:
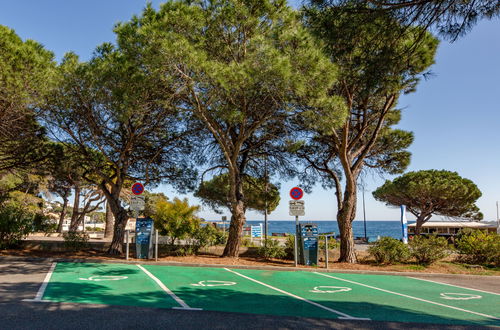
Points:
(296, 193)
(137, 188)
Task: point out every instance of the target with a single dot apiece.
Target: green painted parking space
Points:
(364, 302)
(110, 284)
(288, 293)
(219, 290)
(472, 300)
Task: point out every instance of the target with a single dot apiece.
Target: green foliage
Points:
(289, 247)
(247, 242)
(216, 191)
(151, 201)
(272, 249)
(389, 250)
(427, 250)
(478, 247)
(332, 243)
(432, 192)
(75, 241)
(176, 219)
(26, 74)
(15, 224)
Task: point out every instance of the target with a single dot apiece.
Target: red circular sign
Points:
(296, 193)
(137, 188)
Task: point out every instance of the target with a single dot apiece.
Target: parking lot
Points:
(358, 298)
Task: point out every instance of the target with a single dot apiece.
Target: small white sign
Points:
(137, 203)
(297, 208)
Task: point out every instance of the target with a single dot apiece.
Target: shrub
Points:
(332, 243)
(389, 250)
(15, 224)
(289, 247)
(478, 247)
(247, 242)
(427, 250)
(74, 241)
(271, 249)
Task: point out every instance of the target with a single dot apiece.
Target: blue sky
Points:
(455, 114)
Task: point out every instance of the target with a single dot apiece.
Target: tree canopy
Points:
(242, 68)
(450, 18)
(258, 197)
(378, 61)
(112, 113)
(432, 192)
(26, 75)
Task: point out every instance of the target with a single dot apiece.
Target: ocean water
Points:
(373, 228)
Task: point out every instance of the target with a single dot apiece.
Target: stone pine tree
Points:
(26, 72)
(450, 18)
(111, 110)
(432, 192)
(242, 68)
(377, 63)
(260, 195)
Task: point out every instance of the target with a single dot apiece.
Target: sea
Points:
(374, 229)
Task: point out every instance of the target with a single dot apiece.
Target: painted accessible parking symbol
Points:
(296, 193)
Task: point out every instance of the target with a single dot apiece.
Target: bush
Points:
(389, 250)
(74, 241)
(478, 247)
(271, 249)
(427, 250)
(247, 242)
(15, 224)
(332, 243)
(289, 247)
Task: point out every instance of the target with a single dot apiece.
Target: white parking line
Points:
(168, 291)
(43, 287)
(410, 297)
(456, 286)
(343, 315)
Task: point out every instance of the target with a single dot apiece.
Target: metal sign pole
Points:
(296, 245)
(126, 245)
(156, 245)
(326, 251)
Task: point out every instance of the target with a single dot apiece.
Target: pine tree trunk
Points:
(108, 230)
(345, 217)
(63, 214)
(420, 222)
(73, 226)
(237, 216)
(121, 217)
(235, 230)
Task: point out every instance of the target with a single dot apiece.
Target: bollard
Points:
(156, 245)
(126, 245)
(326, 251)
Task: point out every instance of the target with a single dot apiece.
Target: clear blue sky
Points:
(455, 115)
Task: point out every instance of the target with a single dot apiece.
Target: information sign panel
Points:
(297, 208)
(256, 231)
(137, 203)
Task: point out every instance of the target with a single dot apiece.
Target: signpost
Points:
(296, 209)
